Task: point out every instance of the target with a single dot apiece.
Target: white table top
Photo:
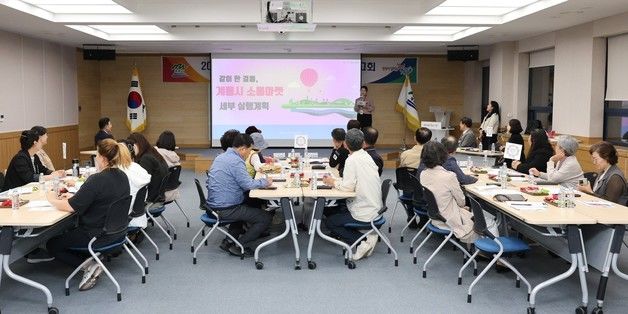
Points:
(29, 217)
(476, 152)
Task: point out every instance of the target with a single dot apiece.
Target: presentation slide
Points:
(283, 95)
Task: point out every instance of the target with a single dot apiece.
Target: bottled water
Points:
(531, 178)
(15, 199)
(469, 162)
(503, 176)
(492, 147)
(42, 183)
(485, 159)
(571, 197)
(292, 153)
(480, 146)
(313, 181)
(562, 197)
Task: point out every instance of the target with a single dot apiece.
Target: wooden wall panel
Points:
(88, 73)
(10, 145)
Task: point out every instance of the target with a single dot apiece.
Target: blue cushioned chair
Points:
(138, 210)
(212, 221)
(116, 223)
(403, 186)
(434, 214)
(495, 246)
(155, 209)
(375, 223)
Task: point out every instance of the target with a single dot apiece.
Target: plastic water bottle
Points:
(531, 178)
(15, 199)
(42, 183)
(75, 168)
(314, 182)
(503, 176)
(469, 162)
(571, 197)
(485, 159)
(492, 147)
(480, 146)
(292, 153)
(562, 197)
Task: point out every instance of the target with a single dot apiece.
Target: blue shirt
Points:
(451, 165)
(228, 180)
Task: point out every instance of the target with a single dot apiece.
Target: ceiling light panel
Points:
(430, 30)
(129, 29)
(79, 2)
(85, 9)
(488, 3)
(470, 11)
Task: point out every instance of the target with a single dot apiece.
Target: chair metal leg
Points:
(170, 226)
(200, 244)
(160, 227)
(151, 242)
(416, 252)
(417, 235)
(392, 216)
(142, 269)
(435, 252)
(115, 282)
(187, 218)
(74, 272)
(477, 279)
(196, 236)
(26, 281)
(140, 255)
(464, 252)
(389, 245)
(516, 271)
(406, 227)
(465, 265)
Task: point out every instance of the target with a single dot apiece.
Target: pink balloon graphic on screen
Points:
(309, 77)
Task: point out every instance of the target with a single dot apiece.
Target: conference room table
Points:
(26, 228)
(551, 221)
(477, 157)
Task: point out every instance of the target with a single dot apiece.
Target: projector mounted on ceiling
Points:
(286, 16)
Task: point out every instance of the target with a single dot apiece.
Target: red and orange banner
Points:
(185, 69)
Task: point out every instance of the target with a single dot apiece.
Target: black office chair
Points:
(212, 220)
(374, 225)
(404, 186)
(495, 246)
(139, 210)
(434, 214)
(116, 223)
(173, 184)
(155, 208)
(419, 207)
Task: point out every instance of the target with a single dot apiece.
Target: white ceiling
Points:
(354, 26)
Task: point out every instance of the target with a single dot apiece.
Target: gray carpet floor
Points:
(220, 283)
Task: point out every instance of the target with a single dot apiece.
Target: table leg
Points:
(614, 249)
(288, 212)
(577, 262)
(312, 232)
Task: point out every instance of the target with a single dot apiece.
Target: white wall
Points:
(38, 83)
(472, 90)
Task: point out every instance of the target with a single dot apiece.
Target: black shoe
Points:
(413, 225)
(264, 234)
(301, 226)
(500, 269)
(235, 251)
(226, 245)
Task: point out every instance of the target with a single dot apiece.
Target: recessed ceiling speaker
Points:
(463, 53)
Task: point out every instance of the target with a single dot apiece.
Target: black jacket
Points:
(101, 135)
(538, 159)
(22, 171)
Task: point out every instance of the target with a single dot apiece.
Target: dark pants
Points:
(335, 223)
(407, 205)
(487, 141)
(257, 219)
(75, 238)
(365, 120)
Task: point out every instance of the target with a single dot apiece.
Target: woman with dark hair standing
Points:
(149, 158)
(490, 125)
(540, 152)
(515, 129)
(610, 183)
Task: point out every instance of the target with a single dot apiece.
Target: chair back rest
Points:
(417, 194)
(404, 177)
(432, 206)
(139, 205)
(173, 178)
(590, 176)
(162, 189)
(1, 180)
(385, 189)
(117, 218)
(201, 195)
(479, 223)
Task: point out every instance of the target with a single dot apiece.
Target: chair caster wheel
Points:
(351, 264)
(171, 246)
(168, 232)
(194, 261)
(518, 283)
(143, 279)
(389, 230)
(67, 291)
(53, 310)
(396, 263)
(205, 242)
(468, 298)
(459, 281)
(203, 233)
(297, 267)
(241, 257)
(475, 272)
(389, 251)
(188, 225)
(311, 265)
(401, 239)
(531, 310)
(146, 270)
(175, 236)
(259, 265)
(157, 256)
(411, 250)
(424, 274)
(346, 261)
(581, 310)
(191, 249)
(119, 297)
(414, 261)
(597, 310)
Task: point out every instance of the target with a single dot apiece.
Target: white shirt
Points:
(138, 178)
(360, 175)
(490, 125)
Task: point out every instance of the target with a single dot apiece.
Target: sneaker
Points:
(38, 256)
(90, 277)
(371, 239)
(225, 245)
(362, 250)
(235, 251)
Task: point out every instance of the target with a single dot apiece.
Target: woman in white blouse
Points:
(490, 125)
(562, 168)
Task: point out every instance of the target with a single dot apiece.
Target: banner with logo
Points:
(185, 69)
(389, 70)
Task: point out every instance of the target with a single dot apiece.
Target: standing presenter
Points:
(364, 107)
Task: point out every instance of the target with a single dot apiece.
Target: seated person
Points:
(252, 129)
(467, 138)
(412, 157)
(339, 153)
(105, 126)
(514, 128)
(562, 168)
(226, 140)
(360, 176)
(540, 152)
(451, 164)
(353, 124)
(25, 167)
(370, 138)
(533, 125)
(610, 183)
(138, 178)
(43, 137)
(255, 159)
(91, 203)
(147, 156)
(165, 146)
(227, 181)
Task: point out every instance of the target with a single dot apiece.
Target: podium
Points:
(438, 132)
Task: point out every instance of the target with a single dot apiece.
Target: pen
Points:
(524, 204)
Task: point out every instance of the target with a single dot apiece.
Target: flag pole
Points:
(405, 124)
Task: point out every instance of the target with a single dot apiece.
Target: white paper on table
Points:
(530, 206)
(513, 151)
(42, 209)
(33, 204)
(72, 189)
(25, 190)
(518, 179)
(600, 203)
(494, 172)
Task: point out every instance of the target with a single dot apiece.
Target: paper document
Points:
(42, 209)
(33, 204)
(599, 203)
(527, 205)
(513, 151)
